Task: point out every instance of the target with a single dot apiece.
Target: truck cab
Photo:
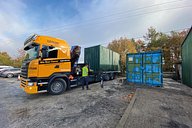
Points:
(47, 65)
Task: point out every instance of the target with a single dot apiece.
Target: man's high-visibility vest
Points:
(84, 71)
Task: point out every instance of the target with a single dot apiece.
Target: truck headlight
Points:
(30, 84)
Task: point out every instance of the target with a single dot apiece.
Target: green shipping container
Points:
(101, 59)
(186, 52)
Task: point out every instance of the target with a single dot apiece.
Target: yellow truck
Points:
(50, 65)
(47, 65)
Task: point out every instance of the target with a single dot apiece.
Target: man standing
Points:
(85, 76)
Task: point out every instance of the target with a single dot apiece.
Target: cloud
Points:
(102, 21)
(12, 24)
(87, 23)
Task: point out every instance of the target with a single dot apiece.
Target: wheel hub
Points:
(56, 87)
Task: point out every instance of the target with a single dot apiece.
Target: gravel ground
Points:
(76, 108)
(167, 107)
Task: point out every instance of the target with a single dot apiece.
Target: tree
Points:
(170, 44)
(155, 40)
(122, 46)
(18, 61)
(159, 41)
(175, 40)
(5, 59)
(152, 35)
(140, 45)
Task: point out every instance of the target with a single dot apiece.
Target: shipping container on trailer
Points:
(145, 68)
(102, 61)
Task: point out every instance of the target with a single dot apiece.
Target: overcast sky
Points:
(88, 22)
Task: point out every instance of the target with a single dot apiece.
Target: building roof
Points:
(187, 35)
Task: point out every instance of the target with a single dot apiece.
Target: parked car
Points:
(2, 70)
(12, 72)
(5, 67)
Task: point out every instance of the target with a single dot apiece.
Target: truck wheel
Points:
(106, 78)
(9, 75)
(57, 86)
(112, 77)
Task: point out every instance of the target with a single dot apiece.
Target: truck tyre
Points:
(57, 86)
(112, 76)
(106, 77)
(10, 75)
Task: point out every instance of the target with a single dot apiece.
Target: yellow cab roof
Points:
(46, 40)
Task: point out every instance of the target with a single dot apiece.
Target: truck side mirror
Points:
(43, 53)
(40, 54)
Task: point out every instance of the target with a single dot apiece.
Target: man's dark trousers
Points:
(85, 81)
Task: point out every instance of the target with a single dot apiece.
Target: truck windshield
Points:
(32, 52)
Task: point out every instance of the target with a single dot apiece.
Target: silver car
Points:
(12, 72)
(3, 68)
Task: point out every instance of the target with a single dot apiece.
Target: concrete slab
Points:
(167, 107)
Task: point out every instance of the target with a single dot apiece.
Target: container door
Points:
(134, 70)
(152, 69)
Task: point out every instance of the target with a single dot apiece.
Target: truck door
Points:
(51, 63)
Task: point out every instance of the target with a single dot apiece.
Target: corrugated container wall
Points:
(145, 68)
(186, 52)
(100, 58)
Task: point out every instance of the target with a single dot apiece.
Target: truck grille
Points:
(24, 69)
